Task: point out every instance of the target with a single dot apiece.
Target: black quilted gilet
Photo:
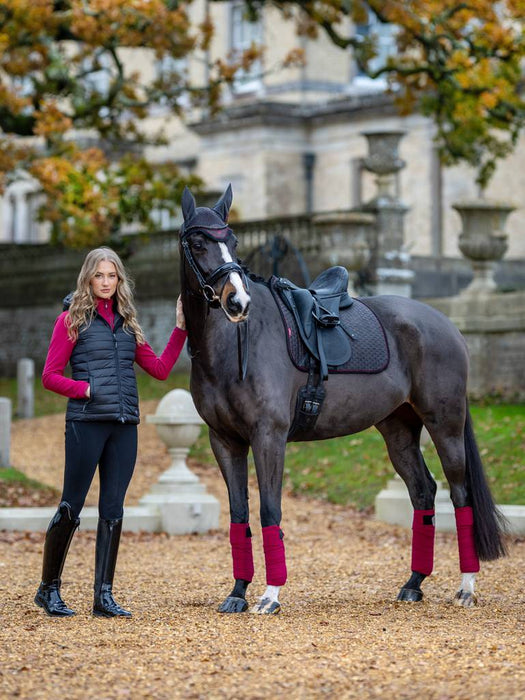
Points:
(104, 358)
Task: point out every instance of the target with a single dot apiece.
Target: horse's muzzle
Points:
(235, 302)
(236, 311)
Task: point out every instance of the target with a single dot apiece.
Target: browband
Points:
(219, 234)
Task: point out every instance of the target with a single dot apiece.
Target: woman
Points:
(99, 335)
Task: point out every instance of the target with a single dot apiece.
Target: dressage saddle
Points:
(327, 332)
(316, 311)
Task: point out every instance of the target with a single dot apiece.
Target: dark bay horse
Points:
(253, 406)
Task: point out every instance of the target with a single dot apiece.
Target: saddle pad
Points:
(370, 352)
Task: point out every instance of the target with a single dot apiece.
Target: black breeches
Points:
(111, 445)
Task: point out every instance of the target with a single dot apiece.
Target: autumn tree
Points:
(459, 63)
(52, 54)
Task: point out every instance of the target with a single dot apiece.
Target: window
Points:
(243, 34)
(165, 221)
(97, 76)
(22, 200)
(171, 72)
(384, 35)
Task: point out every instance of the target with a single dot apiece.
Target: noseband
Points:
(206, 283)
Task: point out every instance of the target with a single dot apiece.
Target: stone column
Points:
(26, 388)
(5, 431)
(389, 271)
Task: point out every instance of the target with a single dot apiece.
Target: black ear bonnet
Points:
(213, 222)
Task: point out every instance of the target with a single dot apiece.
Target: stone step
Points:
(392, 505)
(181, 517)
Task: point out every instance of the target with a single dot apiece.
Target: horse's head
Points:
(208, 247)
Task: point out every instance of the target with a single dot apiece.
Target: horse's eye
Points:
(197, 245)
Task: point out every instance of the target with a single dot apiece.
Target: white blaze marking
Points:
(240, 296)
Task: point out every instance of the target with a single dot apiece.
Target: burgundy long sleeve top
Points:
(61, 347)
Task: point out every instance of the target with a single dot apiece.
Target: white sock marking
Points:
(467, 582)
(272, 592)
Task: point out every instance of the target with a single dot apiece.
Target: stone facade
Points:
(277, 122)
(493, 326)
(261, 147)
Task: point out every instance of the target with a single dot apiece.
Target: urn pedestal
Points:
(346, 241)
(179, 495)
(388, 270)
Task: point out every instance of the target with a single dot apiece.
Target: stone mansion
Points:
(291, 141)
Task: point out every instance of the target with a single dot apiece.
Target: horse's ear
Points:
(188, 204)
(223, 205)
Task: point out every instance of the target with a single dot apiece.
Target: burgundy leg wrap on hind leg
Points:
(423, 531)
(468, 558)
(274, 555)
(241, 543)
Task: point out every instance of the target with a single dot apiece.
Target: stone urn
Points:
(482, 240)
(346, 240)
(383, 158)
(181, 497)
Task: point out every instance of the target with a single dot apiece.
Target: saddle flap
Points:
(335, 344)
(304, 304)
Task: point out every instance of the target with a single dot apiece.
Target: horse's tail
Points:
(490, 525)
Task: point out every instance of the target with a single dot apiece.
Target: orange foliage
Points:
(459, 63)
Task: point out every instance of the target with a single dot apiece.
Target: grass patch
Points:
(12, 476)
(352, 470)
(500, 433)
(17, 490)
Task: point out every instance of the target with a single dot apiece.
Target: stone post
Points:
(5, 431)
(388, 270)
(26, 388)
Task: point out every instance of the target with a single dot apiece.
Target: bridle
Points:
(210, 295)
(206, 283)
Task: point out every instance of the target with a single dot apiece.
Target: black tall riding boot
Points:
(58, 538)
(108, 538)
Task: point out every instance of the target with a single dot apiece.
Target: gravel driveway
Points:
(340, 634)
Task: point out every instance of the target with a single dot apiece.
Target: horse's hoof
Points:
(266, 606)
(410, 595)
(233, 605)
(465, 599)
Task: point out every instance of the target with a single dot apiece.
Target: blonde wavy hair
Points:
(83, 304)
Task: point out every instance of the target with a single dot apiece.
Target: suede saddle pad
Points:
(368, 346)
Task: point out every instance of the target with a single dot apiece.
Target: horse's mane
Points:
(252, 276)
